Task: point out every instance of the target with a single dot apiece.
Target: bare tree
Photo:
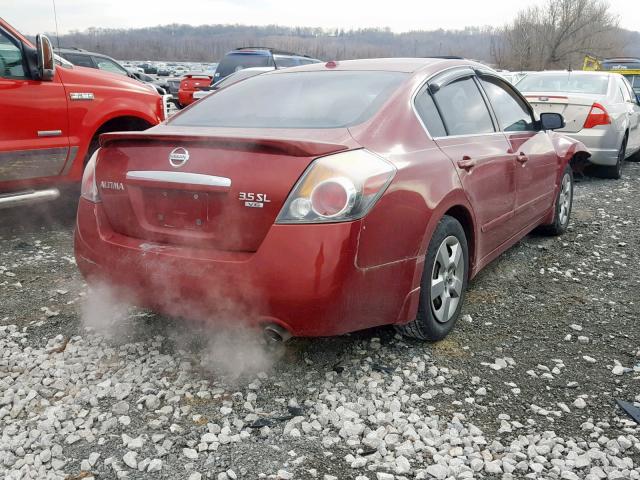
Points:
(560, 33)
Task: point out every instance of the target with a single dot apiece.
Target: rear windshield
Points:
(325, 99)
(233, 62)
(565, 83)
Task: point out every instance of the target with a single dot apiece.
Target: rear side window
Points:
(11, 65)
(511, 111)
(624, 90)
(285, 62)
(80, 60)
(322, 99)
(233, 62)
(463, 108)
(429, 114)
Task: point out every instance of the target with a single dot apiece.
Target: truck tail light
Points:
(163, 107)
(338, 188)
(89, 189)
(597, 116)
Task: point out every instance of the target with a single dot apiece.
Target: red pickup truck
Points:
(52, 114)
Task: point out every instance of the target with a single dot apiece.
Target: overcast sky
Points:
(33, 16)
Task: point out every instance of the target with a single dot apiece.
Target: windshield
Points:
(565, 83)
(233, 62)
(295, 100)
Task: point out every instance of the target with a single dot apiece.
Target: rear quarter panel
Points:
(426, 185)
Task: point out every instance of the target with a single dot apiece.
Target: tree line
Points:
(555, 35)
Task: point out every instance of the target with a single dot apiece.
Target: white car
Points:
(600, 110)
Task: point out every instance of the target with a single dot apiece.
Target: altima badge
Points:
(178, 157)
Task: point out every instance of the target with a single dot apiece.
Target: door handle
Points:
(467, 163)
(522, 158)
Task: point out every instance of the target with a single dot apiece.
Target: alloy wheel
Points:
(564, 200)
(447, 279)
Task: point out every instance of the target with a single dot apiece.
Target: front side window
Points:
(109, 66)
(11, 64)
(463, 109)
(511, 111)
(319, 99)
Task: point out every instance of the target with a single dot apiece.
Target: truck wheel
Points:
(443, 285)
(563, 206)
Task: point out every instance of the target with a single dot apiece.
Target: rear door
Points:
(34, 139)
(457, 116)
(536, 159)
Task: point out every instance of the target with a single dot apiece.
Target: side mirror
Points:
(638, 98)
(46, 62)
(551, 121)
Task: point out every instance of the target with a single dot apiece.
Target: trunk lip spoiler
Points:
(298, 147)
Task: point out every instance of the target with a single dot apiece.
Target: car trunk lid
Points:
(574, 108)
(217, 188)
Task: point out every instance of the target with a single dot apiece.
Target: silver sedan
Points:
(600, 110)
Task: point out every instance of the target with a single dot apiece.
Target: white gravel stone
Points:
(155, 465)
(579, 403)
(129, 459)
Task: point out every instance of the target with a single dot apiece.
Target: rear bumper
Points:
(185, 98)
(303, 277)
(602, 142)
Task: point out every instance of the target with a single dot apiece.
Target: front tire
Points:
(444, 282)
(563, 205)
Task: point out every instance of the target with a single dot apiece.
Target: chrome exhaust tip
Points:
(276, 334)
(16, 199)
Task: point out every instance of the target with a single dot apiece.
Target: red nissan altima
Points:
(327, 198)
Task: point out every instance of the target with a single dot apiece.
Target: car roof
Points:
(406, 65)
(80, 51)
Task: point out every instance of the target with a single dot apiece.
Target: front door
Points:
(536, 160)
(34, 139)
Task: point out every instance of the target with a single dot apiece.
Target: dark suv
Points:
(84, 58)
(248, 57)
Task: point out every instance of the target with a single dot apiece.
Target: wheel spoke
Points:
(443, 257)
(446, 305)
(456, 286)
(437, 288)
(456, 255)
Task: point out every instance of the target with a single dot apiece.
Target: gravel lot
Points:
(525, 387)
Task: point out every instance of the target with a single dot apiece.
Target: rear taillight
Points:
(89, 189)
(338, 188)
(597, 116)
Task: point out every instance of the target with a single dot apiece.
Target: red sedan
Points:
(326, 198)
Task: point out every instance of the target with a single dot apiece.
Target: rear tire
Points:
(443, 285)
(615, 171)
(563, 206)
